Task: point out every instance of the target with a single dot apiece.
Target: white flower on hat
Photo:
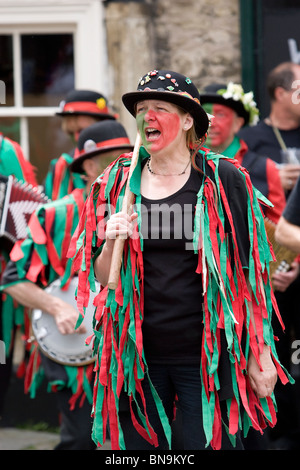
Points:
(236, 92)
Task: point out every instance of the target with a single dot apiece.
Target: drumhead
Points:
(64, 349)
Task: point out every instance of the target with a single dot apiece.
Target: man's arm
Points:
(32, 296)
(288, 235)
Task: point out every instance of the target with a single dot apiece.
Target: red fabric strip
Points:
(54, 259)
(16, 253)
(68, 230)
(37, 233)
(60, 166)
(112, 416)
(233, 417)
(35, 268)
(217, 426)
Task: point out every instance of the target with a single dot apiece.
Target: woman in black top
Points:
(184, 321)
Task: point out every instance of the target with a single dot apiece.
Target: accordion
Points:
(18, 201)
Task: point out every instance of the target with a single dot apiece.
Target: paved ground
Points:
(23, 439)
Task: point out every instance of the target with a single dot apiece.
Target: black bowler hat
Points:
(87, 103)
(98, 138)
(214, 94)
(174, 88)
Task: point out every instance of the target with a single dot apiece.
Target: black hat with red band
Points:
(98, 138)
(87, 103)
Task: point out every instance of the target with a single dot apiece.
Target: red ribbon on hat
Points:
(85, 106)
(105, 144)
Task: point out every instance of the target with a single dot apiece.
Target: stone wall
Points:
(198, 38)
(130, 53)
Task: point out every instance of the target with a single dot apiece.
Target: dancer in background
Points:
(40, 260)
(278, 137)
(12, 315)
(81, 109)
(288, 229)
(232, 109)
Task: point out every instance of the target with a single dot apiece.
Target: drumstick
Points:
(117, 254)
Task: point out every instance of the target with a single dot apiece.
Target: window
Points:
(47, 49)
(38, 77)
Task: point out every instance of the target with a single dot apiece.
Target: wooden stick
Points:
(117, 254)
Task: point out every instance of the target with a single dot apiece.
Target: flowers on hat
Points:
(101, 103)
(236, 92)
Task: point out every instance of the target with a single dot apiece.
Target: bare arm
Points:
(32, 296)
(288, 235)
(262, 379)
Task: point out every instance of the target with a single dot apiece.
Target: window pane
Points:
(46, 142)
(6, 68)
(47, 68)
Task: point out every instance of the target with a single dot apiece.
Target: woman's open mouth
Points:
(152, 133)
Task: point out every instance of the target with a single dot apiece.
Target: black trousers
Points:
(287, 396)
(76, 425)
(172, 381)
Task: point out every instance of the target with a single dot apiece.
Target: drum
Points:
(69, 349)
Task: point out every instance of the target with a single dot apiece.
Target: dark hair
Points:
(281, 76)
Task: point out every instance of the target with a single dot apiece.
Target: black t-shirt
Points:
(173, 294)
(172, 327)
(262, 139)
(292, 209)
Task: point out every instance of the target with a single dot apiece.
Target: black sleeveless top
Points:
(172, 327)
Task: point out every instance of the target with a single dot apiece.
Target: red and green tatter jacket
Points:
(42, 258)
(13, 162)
(121, 363)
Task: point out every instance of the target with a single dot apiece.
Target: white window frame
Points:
(82, 18)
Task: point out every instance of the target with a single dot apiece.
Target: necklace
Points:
(157, 174)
